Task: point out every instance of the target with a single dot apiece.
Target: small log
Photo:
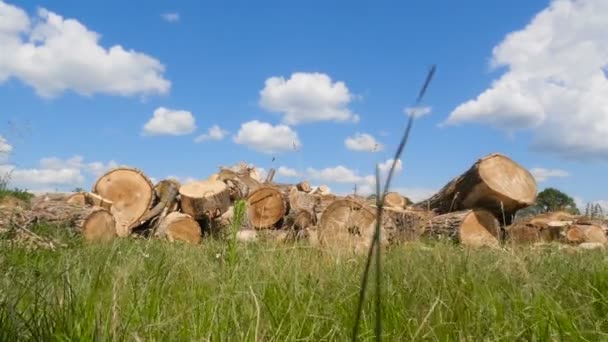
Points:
(78, 198)
(394, 200)
(166, 191)
(204, 199)
(474, 228)
(94, 223)
(495, 183)
(577, 234)
(348, 224)
(299, 220)
(265, 207)
(131, 193)
(270, 176)
(240, 185)
(97, 201)
(299, 200)
(180, 227)
(304, 186)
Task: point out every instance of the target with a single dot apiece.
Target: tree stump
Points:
(180, 227)
(204, 199)
(131, 194)
(474, 228)
(266, 207)
(495, 183)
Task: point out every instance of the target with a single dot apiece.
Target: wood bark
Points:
(204, 199)
(404, 224)
(166, 191)
(131, 193)
(240, 185)
(180, 227)
(495, 183)
(304, 186)
(474, 228)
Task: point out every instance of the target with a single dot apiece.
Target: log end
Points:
(479, 228)
(100, 226)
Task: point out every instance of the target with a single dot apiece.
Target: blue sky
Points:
(274, 73)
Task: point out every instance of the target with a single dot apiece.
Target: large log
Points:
(266, 207)
(204, 199)
(404, 224)
(94, 223)
(131, 193)
(180, 227)
(495, 183)
(347, 224)
(473, 228)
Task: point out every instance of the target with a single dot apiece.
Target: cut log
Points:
(536, 230)
(495, 183)
(266, 207)
(180, 227)
(299, 200)
(78, 198)
(304, 186)
(166, 191)
(474, 228)
(204, 199)
(240, 185)
(394, 200)
(585, 233)
(402, 225)
(299, 220)
(98, 201)
(346, 224)
(131, 193)
(95, 223)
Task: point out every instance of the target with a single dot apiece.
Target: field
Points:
(137, 289)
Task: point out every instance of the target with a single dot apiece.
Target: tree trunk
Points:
(131, 194)
(348, 224)
(404, 224)
(266, 207)
(205, 199)
(180, 227)
(495, 183)
(474, 228)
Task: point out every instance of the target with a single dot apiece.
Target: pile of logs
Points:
(473, 209)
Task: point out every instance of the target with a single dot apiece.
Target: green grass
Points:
(154, 290)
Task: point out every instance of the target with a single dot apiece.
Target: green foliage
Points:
(6, 191)
(151, 290)
(235, 225)
(551, 199)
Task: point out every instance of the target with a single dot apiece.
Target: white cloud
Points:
(5, 147)
(417, 111)
(363, 142)
(215, 132)
(307, 97)
(415, 194)
(167, 121)
(287, 172)
(541, 174)
(171, 17)
(555, 84)
(338, 174)
(386, 166)
(53, 55)
(266, 138)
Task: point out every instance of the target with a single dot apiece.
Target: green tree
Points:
(551, 199)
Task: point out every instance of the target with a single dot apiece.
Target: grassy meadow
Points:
(151, 290)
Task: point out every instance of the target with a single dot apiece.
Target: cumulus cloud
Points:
(287, 172)
(171, 17)
(339, 174)
(363, 142)
(555, 82)
(307, 97)
(54, 172)
(542, 174)
(215, 132)
(5, 148)
(167, 121)
(386, 166)
(266, 138)
(417, 111)
(53, 54)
